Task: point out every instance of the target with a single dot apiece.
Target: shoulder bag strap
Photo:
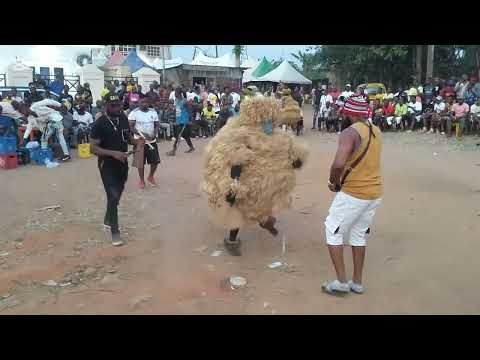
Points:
(362, 155)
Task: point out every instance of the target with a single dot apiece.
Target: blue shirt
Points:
(182, 114)
(56, 87)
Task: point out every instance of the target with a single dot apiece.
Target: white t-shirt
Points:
(438, 108)
(236, 98)
(144, 122)
(474, 109)
(172, 96)
(346, 94)
(85, 118)
(324, 99)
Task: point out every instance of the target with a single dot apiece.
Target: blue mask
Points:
(268, 127)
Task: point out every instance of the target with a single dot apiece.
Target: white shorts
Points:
(350, 217)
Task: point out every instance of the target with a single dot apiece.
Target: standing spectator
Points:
(347, 92)
(297, 96)
(227, 99)
(223, 116)
(107, 88)
(461, 85)
(317, 95)
(100, 107)
(359, 194)
(88, 96)
(32, 96)
(132, 95)
(429, 91)
(110, 137)
(236, 101)
(182, 128)
(152, 94)
(67, 123)
(472, 91)
(139, 91)
(79, 96)
(324, 98)
(448, 90)
(144, 126)
(118, 87)
(335, 94)
(325, 117)
(131, 86)
(460, 112)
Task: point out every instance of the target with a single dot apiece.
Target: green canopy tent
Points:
(263, 68)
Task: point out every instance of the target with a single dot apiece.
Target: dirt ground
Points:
(422, 257)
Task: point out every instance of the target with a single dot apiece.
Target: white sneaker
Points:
(336, 288)
(442, 133)
(409, 131)
(356, 288)
(182, 139)
(173, 138)
(430, 132)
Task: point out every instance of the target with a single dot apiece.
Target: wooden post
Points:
(419, 59)
(430, 57)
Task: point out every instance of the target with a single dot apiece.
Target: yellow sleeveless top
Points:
(365, 181)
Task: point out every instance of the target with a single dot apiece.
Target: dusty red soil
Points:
(421, 257)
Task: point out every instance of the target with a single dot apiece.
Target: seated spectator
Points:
(427, 115)
(66, 96)
(460, 112)
(377, 118)
(415, 112)
(475, 117)
(401, 114)
(438, 115)
(388, 113)
(82, 120)
(7, 125)
(429, 91)
(13, 96)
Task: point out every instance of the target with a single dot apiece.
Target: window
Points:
(154, 50)
(125, 49)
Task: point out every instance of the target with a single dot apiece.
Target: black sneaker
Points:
(116, 240)
(190, 150)
(66, 158)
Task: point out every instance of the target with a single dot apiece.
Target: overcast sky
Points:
(255, 51)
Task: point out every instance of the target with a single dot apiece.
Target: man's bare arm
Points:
(346, 146)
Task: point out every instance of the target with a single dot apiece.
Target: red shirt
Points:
(334, 95)
(388, 110)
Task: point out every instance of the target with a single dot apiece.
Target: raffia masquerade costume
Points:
(250, 169)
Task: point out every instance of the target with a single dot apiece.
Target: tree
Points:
(238, 51)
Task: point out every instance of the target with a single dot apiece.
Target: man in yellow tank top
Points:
(355, 177)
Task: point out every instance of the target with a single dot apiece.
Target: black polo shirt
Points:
(113, 134)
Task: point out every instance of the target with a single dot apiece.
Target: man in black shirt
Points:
(32, 96)
(109, 141)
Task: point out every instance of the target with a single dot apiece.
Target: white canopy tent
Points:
(284, 73)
